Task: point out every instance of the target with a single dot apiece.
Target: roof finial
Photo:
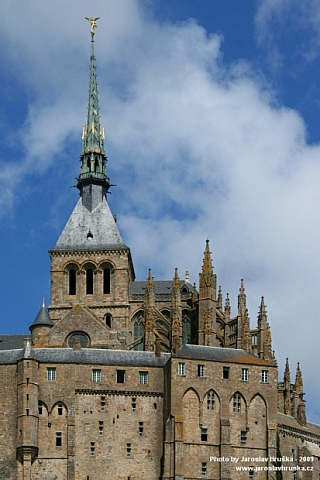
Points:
(93, 23)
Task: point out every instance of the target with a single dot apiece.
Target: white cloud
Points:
(201, 150)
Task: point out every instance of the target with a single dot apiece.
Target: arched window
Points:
(138, 330)
(186, 328)
(89, 281)
(106, 280)
(72, 282)
(96, 164)
(89, 164)
(210, 400)
(108, 319)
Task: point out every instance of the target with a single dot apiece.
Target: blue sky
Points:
(211, 112)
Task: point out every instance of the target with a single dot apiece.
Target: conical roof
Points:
(43, 318)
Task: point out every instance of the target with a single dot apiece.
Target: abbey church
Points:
(143, 380)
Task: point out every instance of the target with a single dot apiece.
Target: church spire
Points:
(93, 158)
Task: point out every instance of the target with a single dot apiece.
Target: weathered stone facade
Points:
(143, 380)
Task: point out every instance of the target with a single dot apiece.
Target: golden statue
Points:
(93, 23)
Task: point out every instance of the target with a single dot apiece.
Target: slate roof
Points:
(12, 342)
(289, 421)
(99, 222)
(218, 354)
(160, 287)
(43, 318)
(91, 356)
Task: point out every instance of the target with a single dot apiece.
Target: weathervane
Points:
(93, 23)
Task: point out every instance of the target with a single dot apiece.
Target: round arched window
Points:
(78, 336)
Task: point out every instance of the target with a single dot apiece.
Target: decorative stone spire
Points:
(219, 299)
(176, 314)
(298, 384)
(93, 158)
(227, 308)
(149, 338)
(242, 298)
(206, 276)
(287, 389)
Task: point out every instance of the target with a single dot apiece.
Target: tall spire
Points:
(93, 158)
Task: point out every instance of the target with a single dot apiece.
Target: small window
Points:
(102, 404)
(251, 473)
(201, 371)
(106, 281)
(89, 281)
(60, 409)
(236, 403)
(243, 437)
(128, 450)
(210, 400)
(51, 374)
(100, 428)
(58, 439)
(226, 373)
(140, 428)
(96, 375)
(121, 376)
(254, 339)
(72, 282)
(134, 404)
(204, 434)
(181, 368)
(265, 376)
(40, 409)
(92, 449)
(203, 469)
(143, 378)
(245, 374)
(108, 319)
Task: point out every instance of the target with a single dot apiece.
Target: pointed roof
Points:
(93, 157)
(206, 275)
(43, 318)
(90, 230)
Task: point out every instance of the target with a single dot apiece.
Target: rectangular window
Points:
(245, 374)
(51, 374)
(121, 376)
(100, 428)
(102, 404)
(143, 378)
(60, 409)
(201, 371)
(243, 437)
(128, 450)
(134, 404)
(226, 373)
(140, 428)
(203, 469)
(58, 439)
(265, 376)
(210, 400)
(96, 375)
(40, 409)
(254, 339)
(92, 449)
(181, 368)
(251, 473)
(204, 434)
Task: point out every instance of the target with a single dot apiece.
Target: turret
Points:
(41, 325)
